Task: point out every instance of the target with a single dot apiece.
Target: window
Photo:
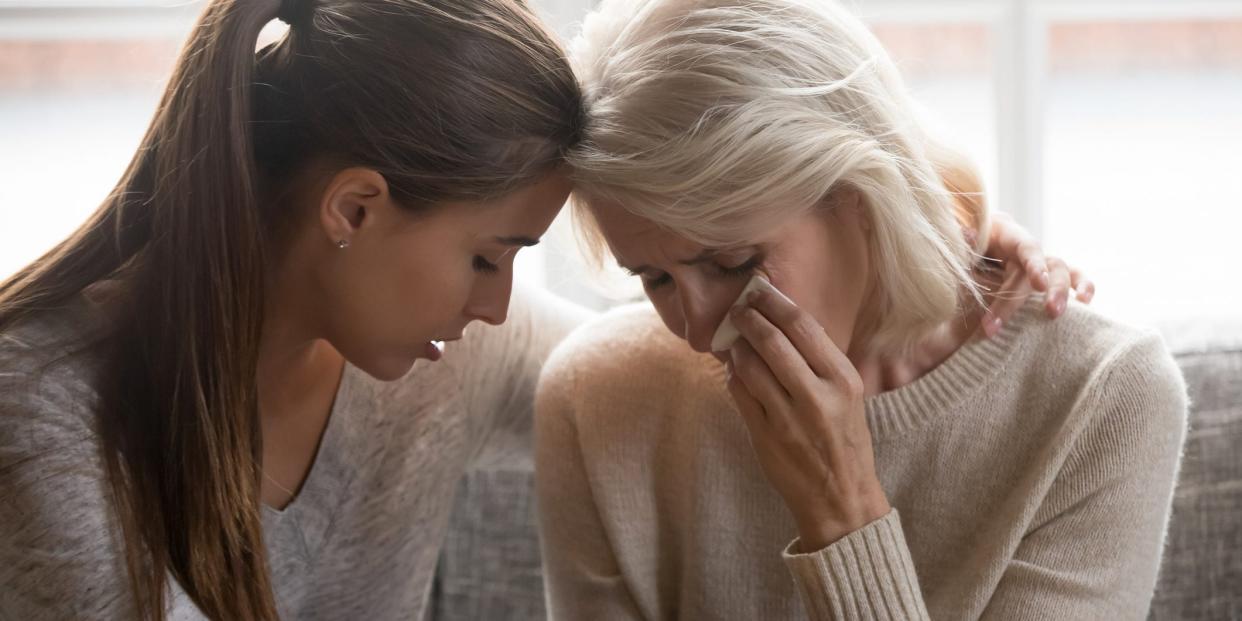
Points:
(1108, 127)
(72, 113)
(1141, 158)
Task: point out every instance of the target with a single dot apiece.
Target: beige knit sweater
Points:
(1031, 478)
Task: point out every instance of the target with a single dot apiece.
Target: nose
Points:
(489, 302)
(700, 319)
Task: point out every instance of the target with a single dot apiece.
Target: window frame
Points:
(1019, 31)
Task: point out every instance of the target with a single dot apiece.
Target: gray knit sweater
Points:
(359, 542)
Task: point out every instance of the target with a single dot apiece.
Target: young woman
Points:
(170, 373)
(919, 470)
(206, 408)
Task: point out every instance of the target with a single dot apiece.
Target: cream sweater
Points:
(1031, 478)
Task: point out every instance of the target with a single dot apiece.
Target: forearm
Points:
(867, 574)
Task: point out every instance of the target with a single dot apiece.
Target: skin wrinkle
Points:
(828, 241)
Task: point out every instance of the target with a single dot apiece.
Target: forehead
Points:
(548, 194)
(634, 239)
(529, 207)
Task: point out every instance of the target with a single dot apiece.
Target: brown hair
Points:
(448, 99)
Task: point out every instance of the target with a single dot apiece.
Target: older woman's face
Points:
(820, 260)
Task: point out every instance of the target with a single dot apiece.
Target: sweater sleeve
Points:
(582, 577)
(60, 550)
(1093, 549)
(867, 574)
(503, 369)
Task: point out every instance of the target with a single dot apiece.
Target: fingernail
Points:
(1061, 306)
(991, 325)
(1043, 278)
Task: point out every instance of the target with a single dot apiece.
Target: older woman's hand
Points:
(802, 401)
(1021, 270)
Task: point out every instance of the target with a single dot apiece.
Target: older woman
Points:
(906, 466)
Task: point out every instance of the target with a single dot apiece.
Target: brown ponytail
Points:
(448, 99)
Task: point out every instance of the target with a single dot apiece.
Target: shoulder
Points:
(1096, 348)
(1123, 377)
(49, 374)
(626, 354)
(57, 537)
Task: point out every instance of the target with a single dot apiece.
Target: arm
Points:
(60, 550)
(582, 577)
(868, 574)
(1092, 550)
(503, 368)
(802, 402)
(1094, 547)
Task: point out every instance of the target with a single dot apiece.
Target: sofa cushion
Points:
(1201, 576)
(490, 566)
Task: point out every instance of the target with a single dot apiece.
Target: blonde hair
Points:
(704, 116)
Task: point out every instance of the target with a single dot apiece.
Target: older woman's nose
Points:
(701, 320)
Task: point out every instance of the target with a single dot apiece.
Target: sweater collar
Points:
(938, 392)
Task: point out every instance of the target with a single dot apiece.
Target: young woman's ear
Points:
(350, 202)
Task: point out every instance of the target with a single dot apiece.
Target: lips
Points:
(434, 350)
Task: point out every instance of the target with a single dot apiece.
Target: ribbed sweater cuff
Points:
(868, 574)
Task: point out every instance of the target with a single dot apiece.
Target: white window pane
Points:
(948, 69)
(1142, 184)
(71, 114)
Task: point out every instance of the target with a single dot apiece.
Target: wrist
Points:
(815, 534)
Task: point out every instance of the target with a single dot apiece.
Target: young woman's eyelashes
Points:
(483, 266)
(743, 270)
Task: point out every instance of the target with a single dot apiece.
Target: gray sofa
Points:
(490, 568)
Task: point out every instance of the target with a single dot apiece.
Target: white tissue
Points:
(727, 334)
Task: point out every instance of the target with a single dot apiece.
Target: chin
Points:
(389, 369)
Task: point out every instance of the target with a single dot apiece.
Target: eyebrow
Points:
(518, 241)
(702, 257)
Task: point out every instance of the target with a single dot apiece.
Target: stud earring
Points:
(343, 244)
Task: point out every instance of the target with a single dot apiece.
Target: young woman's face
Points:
(405, 280)
(820, 260)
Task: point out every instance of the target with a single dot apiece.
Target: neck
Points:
(883, 371)
(293, 358)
